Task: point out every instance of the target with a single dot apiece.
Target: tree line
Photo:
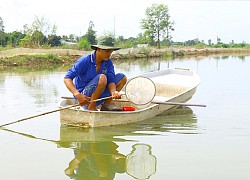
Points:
(157, 27)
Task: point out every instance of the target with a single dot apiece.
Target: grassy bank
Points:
(177, 52)
(38, 57)
(37, 60)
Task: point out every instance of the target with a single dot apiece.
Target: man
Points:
(93, 77)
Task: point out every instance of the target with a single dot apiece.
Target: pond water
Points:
(187, 143)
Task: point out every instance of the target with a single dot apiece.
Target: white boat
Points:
(172, 85)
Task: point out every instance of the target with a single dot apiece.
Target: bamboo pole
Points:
(30, 117)
(48, 112)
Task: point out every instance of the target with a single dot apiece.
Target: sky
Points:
(202, 19)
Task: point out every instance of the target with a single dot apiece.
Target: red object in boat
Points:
(128, 108)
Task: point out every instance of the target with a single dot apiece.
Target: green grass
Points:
(31, 60)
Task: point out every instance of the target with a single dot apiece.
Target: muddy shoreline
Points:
(37, 57)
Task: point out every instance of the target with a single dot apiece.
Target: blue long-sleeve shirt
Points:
(84, 70)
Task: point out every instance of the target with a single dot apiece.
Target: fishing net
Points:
(140, 90)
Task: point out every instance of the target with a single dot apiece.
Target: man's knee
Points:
(102, 80)
(123, 80)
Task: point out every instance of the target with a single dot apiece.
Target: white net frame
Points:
(140, 90)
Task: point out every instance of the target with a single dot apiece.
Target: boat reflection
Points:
(96, 150)
(180, 120)
(97, 156)
(101, 160)
(96, 153)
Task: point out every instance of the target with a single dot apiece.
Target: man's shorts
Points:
(91, 87)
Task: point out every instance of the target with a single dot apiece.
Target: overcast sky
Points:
(229, 20)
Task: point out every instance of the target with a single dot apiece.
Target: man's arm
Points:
(82, 99)
(114, 93)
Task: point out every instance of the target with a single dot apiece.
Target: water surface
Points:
(187, 143)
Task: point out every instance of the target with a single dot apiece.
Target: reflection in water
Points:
(95, 160)
(180, 120)
(96, 154)
(41, 86)
(140, 163)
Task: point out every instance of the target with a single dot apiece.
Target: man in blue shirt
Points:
(93, 76)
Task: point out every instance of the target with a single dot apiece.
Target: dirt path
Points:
(29, 51)
(130, 51)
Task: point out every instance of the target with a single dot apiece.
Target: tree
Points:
(90, 35)
(33, 40)
(54, 40)
(157, 22)
(1, 25)
(42, 25)
(125, 43)
(142, 39)
(37, 32)
(71, 38)
(193, 42)
(1, 32)
(209, 42)
(84, 44)
(38, 38)
(64, 37)
(14, 38)
(169, 37)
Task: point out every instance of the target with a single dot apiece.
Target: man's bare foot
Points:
(92, 106)
(92, 109)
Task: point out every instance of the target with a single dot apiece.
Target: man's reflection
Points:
(101, 160)
(96, 160)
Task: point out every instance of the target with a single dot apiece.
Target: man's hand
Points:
(116, 95)
(82, 99)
